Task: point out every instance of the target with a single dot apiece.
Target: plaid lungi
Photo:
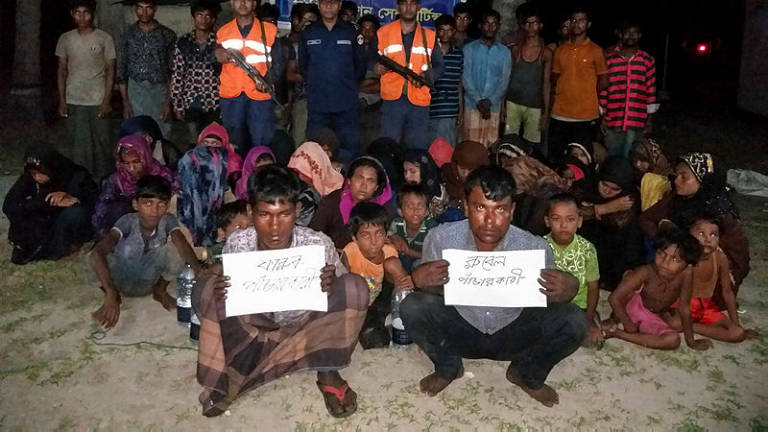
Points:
(478, 129)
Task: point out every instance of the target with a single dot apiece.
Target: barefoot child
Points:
(711, 270)
(577, 256)
(376, 261)
(134, 258)
(647, 292)
(408, 230)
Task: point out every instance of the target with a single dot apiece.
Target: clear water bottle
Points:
(194, 328)
(400, 338)
(184, 284)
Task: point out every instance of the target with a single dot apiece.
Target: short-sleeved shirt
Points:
(576, 92)
(132, 241)
(579, 259)
(87, 57)
(458, 235)
(445, 97)
(372, 273)
(397, 227)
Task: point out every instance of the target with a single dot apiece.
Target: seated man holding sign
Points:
(240, 349)
(473, 272)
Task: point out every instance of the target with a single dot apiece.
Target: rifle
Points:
(405, 72)
(239, 61)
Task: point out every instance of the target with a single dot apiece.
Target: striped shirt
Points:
(631, 92)
(445, 99)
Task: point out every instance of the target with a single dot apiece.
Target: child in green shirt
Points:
(577, 256)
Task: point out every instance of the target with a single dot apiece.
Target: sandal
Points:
(340, 394)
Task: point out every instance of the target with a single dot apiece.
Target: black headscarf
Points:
(430, 174)
(617, 170)
(42, 157)
(712, 195)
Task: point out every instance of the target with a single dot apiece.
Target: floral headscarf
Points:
(140, 145)
(312, 161)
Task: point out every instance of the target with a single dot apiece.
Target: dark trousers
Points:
(343, 123)
(244, 117)
(405, 123)
(561, 133)
(534, 343)
(71, 229)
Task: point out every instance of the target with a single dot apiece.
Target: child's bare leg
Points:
(673, 319)
(667, 341)
(724, 330)
(160, 294)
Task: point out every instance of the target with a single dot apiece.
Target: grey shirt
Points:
(457, 235)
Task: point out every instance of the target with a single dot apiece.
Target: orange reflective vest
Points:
(233, 80)
(391, 45)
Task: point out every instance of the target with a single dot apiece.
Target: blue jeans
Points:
(244, 117)
(443, 127)
(534, 342)
(344, 124)
(405, 123)
(619, 142)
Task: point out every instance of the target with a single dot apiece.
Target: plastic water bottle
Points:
(184, 284)
(400, 338)
(194, 328)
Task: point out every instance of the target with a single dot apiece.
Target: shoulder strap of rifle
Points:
(426, 46)
(267, 56)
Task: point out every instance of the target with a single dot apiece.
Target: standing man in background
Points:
(445, 110)
(144, 69)
(247, 109)
(332, 64)
(86, 75)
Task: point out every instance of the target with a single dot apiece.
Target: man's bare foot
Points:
(165, 299)
(546, 394)
(751, 334)
(433, 384)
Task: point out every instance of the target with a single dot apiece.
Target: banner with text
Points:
(384, 10)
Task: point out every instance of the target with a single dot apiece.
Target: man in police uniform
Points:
(332, 65)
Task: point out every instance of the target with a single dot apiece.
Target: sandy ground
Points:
(58, 372)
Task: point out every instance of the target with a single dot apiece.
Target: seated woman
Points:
(700, 183)
(366, 181)
(610, 213)
(203, 173)
(467, 156)
(419, 168)
(652, 170)
(257, 156)
(163, 150)
(48, 206)
(318, 176)
(133, 159)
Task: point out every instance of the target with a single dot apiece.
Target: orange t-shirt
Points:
(372, 273)
(576, 92)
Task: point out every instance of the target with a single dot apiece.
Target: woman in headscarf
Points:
(514, 155)
(133, 159)
(202, 176)
(699, 185)
(311, 163)
(48, 206)
(163, 150)
(419, 168)
(257, 157)
(610, 213)
(366, 181)
(390, 155)
(652, 171)
(467, 156)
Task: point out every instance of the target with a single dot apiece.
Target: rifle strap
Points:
(426, 47)
(266, 49)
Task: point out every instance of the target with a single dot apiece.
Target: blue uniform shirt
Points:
(332, 64)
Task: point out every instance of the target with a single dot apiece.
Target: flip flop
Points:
(340, 393)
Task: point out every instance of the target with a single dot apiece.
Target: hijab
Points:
(234, 161)
(312, 162)
(241, 188)
(347, 202)
(430, 174)
(44, 158)
(202, 175)
(712, 195)
(139, 144)
(618, 170)
(468, 154)
(648, 150)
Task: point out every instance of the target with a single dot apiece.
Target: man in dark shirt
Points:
(332, 65)
(534, 340)
(144, 66)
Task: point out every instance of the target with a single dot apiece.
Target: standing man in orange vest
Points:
(246, 107)
(405, 107)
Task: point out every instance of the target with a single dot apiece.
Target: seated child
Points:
(232, 217)
(369, 256)
(711, 270)
(646, 293)
(134, 258)
(408, 230)
(577, 256)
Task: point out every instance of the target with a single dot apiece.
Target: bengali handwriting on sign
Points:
(496, 279)
(275, 280)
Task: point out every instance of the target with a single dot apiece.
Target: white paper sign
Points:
(498, 279)
(275, 280)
